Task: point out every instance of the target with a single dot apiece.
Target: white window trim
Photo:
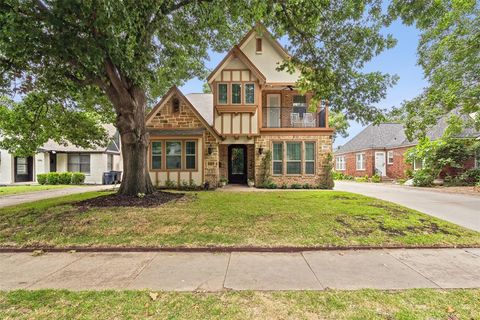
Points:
(362, 162)
(340, 164)
(388, 157)
(415, 164)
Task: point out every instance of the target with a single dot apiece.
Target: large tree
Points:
(117, 56)
(449, 54)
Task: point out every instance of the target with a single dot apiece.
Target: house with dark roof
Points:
(380, 149)
(55, 157)
(254, 110)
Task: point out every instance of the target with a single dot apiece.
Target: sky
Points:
(400, 60)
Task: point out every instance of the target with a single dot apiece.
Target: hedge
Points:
(61, 178)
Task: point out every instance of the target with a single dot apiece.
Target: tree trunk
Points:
(130, 108)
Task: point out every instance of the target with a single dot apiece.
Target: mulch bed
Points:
(113, 200)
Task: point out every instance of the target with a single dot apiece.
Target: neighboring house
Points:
(381, 149)
(53, 157)
(253, 109)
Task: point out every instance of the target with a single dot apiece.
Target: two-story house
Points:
(253, 109)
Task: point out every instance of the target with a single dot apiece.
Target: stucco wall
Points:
(6, 167)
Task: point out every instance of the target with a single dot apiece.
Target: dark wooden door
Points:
(237, 163)
(23, 167)
(53, 162)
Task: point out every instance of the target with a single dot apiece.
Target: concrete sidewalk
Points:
(460, 209)
(20, 198)
(314, 270)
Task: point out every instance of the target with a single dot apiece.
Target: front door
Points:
(23, 167)
(53, 162)
(237, 163)
(380, 168)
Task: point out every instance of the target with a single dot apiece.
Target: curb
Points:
(219, 249)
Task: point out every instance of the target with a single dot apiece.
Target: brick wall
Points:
(323, 148)
(286, 105)
(399, 166)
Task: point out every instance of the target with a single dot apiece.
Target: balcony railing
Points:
(284, 117)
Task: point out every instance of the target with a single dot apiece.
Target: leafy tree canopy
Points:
(448, 53)
(117, 56)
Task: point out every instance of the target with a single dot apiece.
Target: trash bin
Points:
(117, 176)
(108, 178)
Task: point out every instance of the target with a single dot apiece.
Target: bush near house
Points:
(376, 178)
(341, 176)
(53, 178)
(423, 178)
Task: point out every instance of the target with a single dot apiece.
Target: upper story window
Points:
(236, 93)
(249, 93)
(299, 105)
(258, 45)
(222, 93)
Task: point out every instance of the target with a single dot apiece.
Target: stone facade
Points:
(323, 145)
(184, 118)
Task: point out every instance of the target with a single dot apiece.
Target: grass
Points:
(28, 188)
(364, 304)
(267, 219)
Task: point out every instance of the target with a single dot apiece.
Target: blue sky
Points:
(401, 60)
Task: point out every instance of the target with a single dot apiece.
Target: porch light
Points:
(260, 150)
(210, 149)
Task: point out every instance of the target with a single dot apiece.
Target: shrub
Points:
(338, 175)
(326, 181)
(296, 186)
(307, 186)
(65, 178)
(471, 176)
(409, 173)
(52, 178)
(361, 179)
(42, 178)
(78, 178)
(423, 178)
(169, 184)
(270, 185)
(376, 178)
(284, 186)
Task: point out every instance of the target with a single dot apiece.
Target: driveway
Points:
(20, 198)
(461, 209)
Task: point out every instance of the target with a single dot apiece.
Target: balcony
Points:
(287, 117)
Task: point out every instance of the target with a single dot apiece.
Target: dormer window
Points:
(259, 45)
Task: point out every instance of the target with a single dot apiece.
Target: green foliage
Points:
(284, 186)
(376, 178)
(295, 186)
(423, 178)
(169, 184)
(42, 178)
(409, 173)
(65, 177)
(341, 176)
(326, 181)
(339, 122)
(468, 178)
(361, 179)
(78, 178)
(448, 54)
(53, 178)
(307, 186)
(443, 152)
(265, 167)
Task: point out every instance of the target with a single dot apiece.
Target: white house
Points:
(54, 157)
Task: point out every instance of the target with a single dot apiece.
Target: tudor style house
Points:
(253, 110)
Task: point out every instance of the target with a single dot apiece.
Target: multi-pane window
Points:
(309, 158)
(294, 157)
(340, 163)
(249, 93)
(390, 157)
(417, 164)
(79, 162)
(190, 154)
(277, 159)
(222, 93)
(236, 93)
(173, 154)
(156, 155)
(109, 162)
(360, 161)
(299, 105)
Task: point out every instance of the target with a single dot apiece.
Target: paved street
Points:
(314, 270)
(15, 199)
(461, 209)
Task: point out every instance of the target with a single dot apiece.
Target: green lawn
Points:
(270, 219)
(28, 188)
(365, 304)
